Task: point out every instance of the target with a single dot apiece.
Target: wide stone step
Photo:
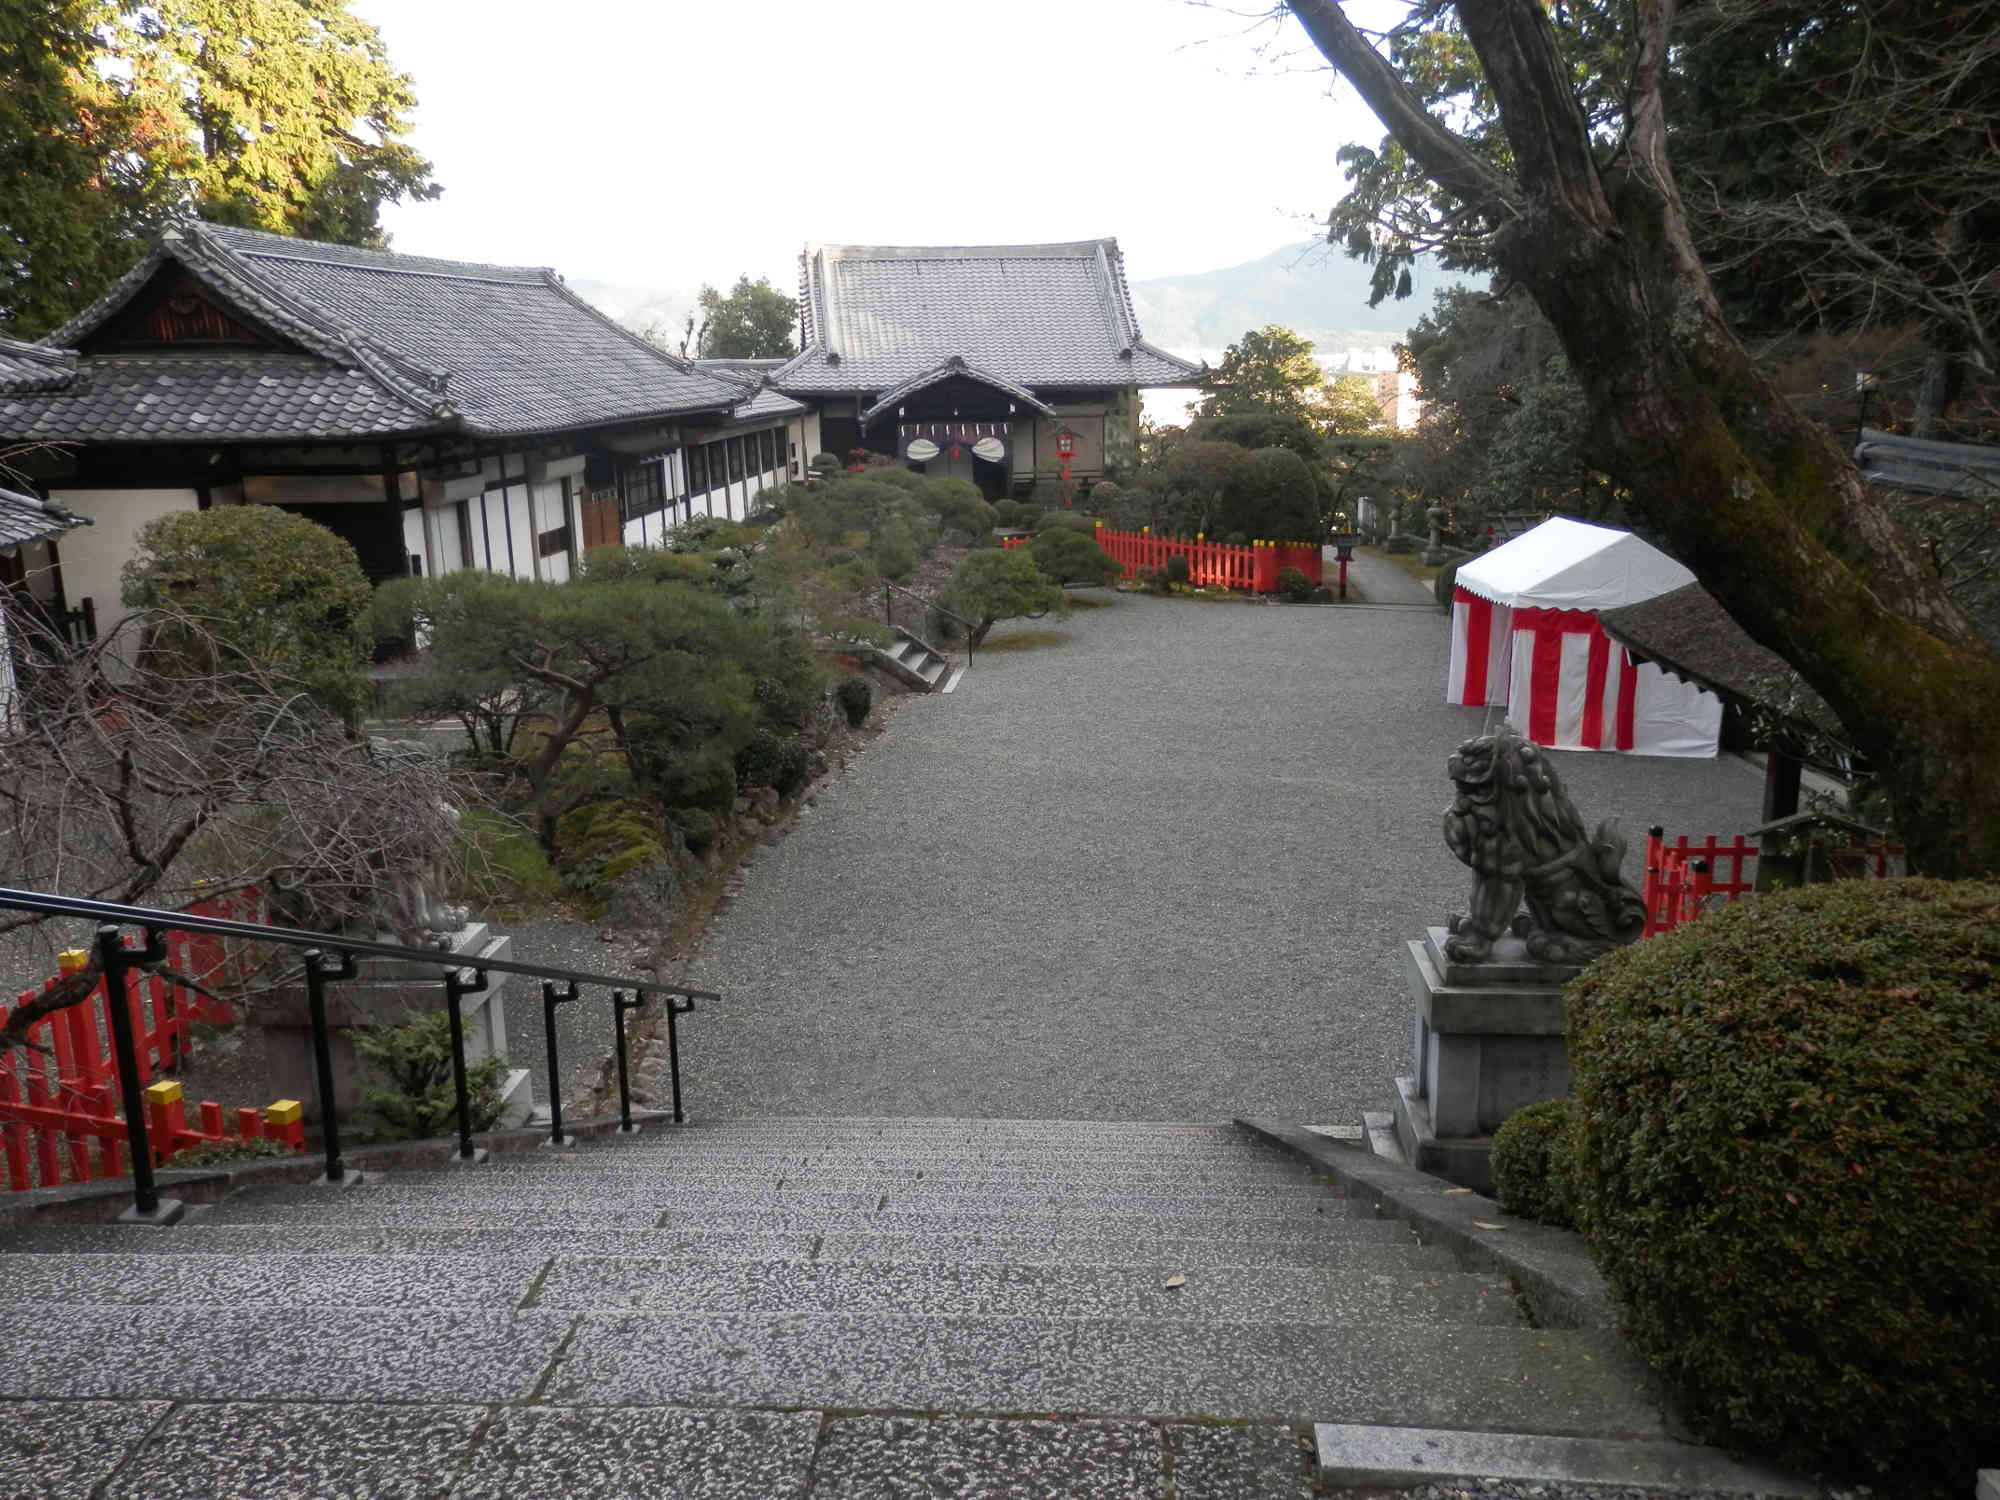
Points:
(1375, 1244)
(662, 1284)
(1000, 1173)
(776, 1211)
(1296, 1295)
(1450, 1375)
(1444, 1376)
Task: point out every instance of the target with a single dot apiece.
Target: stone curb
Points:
(1354, 1456)
(102, 1201)
(1553, 1270)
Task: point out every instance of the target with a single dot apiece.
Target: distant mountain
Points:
(1311, 288)
(642, 308)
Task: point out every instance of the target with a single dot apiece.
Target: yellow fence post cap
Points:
(166, 1091)
(72, 959)
(283, 1112)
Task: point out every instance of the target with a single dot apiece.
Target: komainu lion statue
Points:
(1520, 833)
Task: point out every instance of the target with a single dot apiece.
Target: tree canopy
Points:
(1555, 166)
(284, 115)
(755, 321)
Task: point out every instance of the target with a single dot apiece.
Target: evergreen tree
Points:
(755, 321)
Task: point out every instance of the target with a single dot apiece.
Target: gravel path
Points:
(1163, 869)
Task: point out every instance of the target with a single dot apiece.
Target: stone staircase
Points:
(773, 1308)
(916, 663)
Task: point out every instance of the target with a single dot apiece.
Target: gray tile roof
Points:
(238, 397)
(1040, 315)
(946, 371)
(391, 344)
(23, 518)
(33, 367)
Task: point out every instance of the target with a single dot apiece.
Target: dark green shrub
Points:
(1789, 1171)
(1532, 1162)
(698, 828)
(1293, 586)
(1065, 520)
(1443, 584)
(855, 698)
(774, 761)
(1067, 555)
(1153, 580)
(1007, 514)
(284, 592)
(1177, 569)
(231, 1149)
(703, 778)
(415, 1099)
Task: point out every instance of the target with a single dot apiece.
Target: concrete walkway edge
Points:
(1553, 1269)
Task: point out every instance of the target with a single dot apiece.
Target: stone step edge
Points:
(1552, 1267)
(1353, 1455)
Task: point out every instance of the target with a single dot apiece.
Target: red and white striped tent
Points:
(1525, 635)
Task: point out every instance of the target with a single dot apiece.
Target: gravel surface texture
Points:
(1161, 869)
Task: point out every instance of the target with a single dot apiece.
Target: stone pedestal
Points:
(1488, 1038)
(386, 993)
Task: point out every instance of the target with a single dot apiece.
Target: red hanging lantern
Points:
(1065, 450)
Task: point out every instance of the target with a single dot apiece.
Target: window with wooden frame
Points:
(697, 468)
(735, 446)
(645, 490)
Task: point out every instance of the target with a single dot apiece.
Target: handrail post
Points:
(677, 1005)
(550, 1000)
(320, 969)
(118, 961)
(619, 1005)
(457, 985)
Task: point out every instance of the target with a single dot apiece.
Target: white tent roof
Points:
(1565, 564)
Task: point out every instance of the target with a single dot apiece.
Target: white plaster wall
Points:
(93, 556)
(414, 540)
(550, 513)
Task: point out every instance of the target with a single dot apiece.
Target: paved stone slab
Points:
(270, 1280)
(1241, 1463)
(1406, 1456)
(59, 1450)
(150, 1353)
(1330, 1246)
(363, 1207)
(903, 1458)
(659, 1453)
(346, 1451)
(1471, 1376)
(365, 1240)
(1292, 1295)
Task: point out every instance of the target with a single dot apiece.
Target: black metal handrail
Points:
(331, 958)
(889, 615)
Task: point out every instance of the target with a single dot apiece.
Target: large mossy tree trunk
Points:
(1763, 505)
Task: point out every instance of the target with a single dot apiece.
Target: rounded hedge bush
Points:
(1788, 1167)
(855, 698)
(1532, 1163)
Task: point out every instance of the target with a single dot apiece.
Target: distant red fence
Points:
(1253, 569)
(1691, 876)
(1685, 878)
(60, 1095)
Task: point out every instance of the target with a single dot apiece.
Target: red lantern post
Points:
(1065, 450)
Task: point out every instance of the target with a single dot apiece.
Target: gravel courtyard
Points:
(1160, 870)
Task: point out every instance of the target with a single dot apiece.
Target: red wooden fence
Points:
(1254, 568)
(61, 1093)
(1683, 880)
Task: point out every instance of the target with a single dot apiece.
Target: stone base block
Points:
(1464, 1160)
(1487, 1038)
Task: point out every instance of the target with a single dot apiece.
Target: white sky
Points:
(672, 142)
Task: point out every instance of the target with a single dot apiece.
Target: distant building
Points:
(1396, 393)
(976, 362)
(437, 414)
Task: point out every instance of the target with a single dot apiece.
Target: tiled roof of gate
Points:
(1057, 315)
(23, 518)
(946, 371)
(34, 367)
(386, 344)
